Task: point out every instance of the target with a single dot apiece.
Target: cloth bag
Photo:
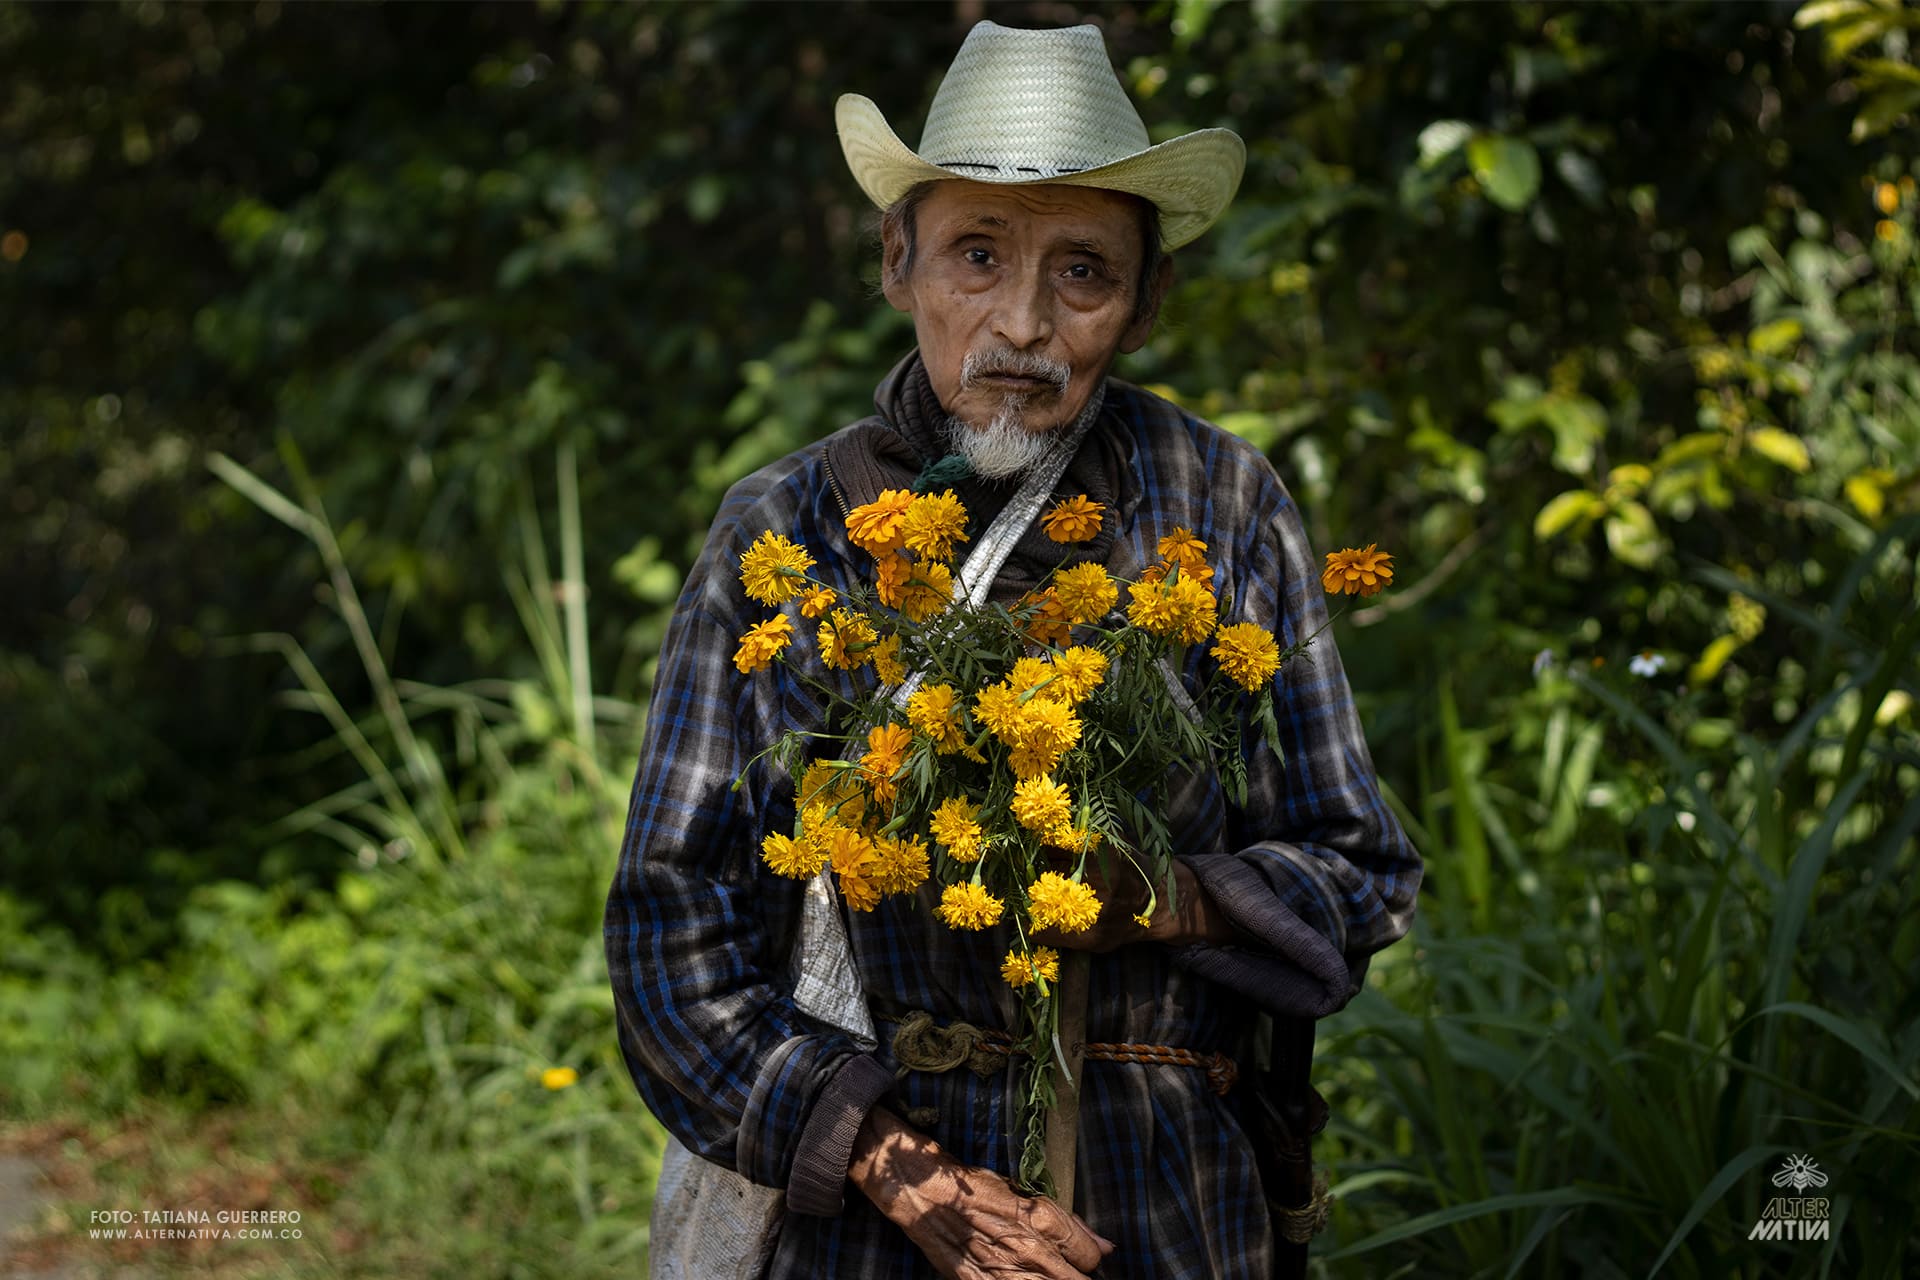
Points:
(708, 1222)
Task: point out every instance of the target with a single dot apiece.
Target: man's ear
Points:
(1141, 329)
(893, 252)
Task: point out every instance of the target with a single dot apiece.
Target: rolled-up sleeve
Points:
(1318, 872)
(696, 928)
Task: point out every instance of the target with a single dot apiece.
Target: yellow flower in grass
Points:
(1040, 803)
(762, 642)
(856, 866)
(878, 526)
(1020, 967)
(1179, 608)
(795, 859)
(886, 661)
(1055, 902)
(1357, 573)
(934, 710)
(956, 828)
(1078, 672)
(817, 601)
(1182, 548)
(558, 1078)
(1086, 592)
(933, 523)
(1073, 519)
(773, 570)
(969, 906)
(929, 590)
(903, 864)
(890, 578)
(1248, 653)
(846, 640)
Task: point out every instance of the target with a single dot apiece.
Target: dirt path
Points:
(24, 1194)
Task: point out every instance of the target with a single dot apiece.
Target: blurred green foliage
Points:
(341, 322)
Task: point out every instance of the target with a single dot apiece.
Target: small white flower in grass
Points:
(1541, 662)
(1648, 663)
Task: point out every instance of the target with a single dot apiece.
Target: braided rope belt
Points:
(920, 1044)
(1301, 1225)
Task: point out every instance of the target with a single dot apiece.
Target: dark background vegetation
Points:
(372, 372)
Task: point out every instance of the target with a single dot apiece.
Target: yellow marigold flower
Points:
(773, 570)
(826, 784)
(1248, 653)
(1020, 968)
(1073, 839)
(935, 711)
(1182, 548)
(1049, 619)
(1040, 803)
(1073, 519)
(1078, 672)
(1887, 229)
(857, 867)
(1029, 673)
(1086, 592)
(1055, 902)
(890, 577)
(996, 706)
(886, 661)
(878, 525)
(1362, 572)
(817, 601)
(1144, 920)
(796, 859)
(1886, 197)
(762, 641)
(886, 752)
(846, 639)
(929, 590)
(1046, 724)
(903, 864)
(969, 906)
(956, 828)
(557, 1078)
(1179, 608)
(934, 522)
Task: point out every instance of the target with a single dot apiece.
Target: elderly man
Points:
(1027, 240)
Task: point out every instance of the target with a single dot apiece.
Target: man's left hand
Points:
(1197, 918)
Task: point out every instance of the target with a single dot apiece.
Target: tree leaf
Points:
(1783, 447)
(1564, 510)
(1508, 168)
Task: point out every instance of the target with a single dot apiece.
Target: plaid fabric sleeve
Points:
(1324, 875)
(695, 926)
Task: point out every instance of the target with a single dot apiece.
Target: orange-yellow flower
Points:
(877, 526)
(762, 642)
(1248, 653)
(856, 866)
(846, 640)
(1073, 519)
(773, 570)
(797, 859)
(1182, 548)
(969, 906)
(886, 661)
(890, 578)
(558, 1078)
(1040, 803)
(1078, 672)
(1048, 622)
(886, 752)
(1363, 572)
(929, 590)
(1020, 968)
(903, 864)
(956, 828)
(995, 707)
(1179, 608)
(1086, 592)
(934, 710)
(1055, 902)
(817, 601)
(933, 523)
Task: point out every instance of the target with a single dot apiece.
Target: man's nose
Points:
(1024, 317)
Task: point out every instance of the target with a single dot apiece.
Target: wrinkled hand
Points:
(970, 1222)
(1198, 919)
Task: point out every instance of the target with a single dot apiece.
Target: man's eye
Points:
(1080, 271)
(979, 257)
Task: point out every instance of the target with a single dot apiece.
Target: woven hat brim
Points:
(1191, 179)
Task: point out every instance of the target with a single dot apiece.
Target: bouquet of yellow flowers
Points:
(1002, 748)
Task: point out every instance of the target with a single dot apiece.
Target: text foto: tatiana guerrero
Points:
(197, 1217)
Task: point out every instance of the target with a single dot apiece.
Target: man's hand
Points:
(971, 1223)
(1198, 918)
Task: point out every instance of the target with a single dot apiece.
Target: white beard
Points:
(1004, 447)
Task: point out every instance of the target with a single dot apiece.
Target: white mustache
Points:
(1007, 362)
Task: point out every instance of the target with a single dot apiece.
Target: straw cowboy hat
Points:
(1024, 107)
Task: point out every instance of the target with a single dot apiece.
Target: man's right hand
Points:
(970, 1222)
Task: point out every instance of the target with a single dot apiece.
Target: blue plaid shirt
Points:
(1314, 867)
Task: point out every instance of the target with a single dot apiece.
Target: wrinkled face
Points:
(1021, 297)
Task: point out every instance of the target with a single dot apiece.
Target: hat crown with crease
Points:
(1021, 106)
